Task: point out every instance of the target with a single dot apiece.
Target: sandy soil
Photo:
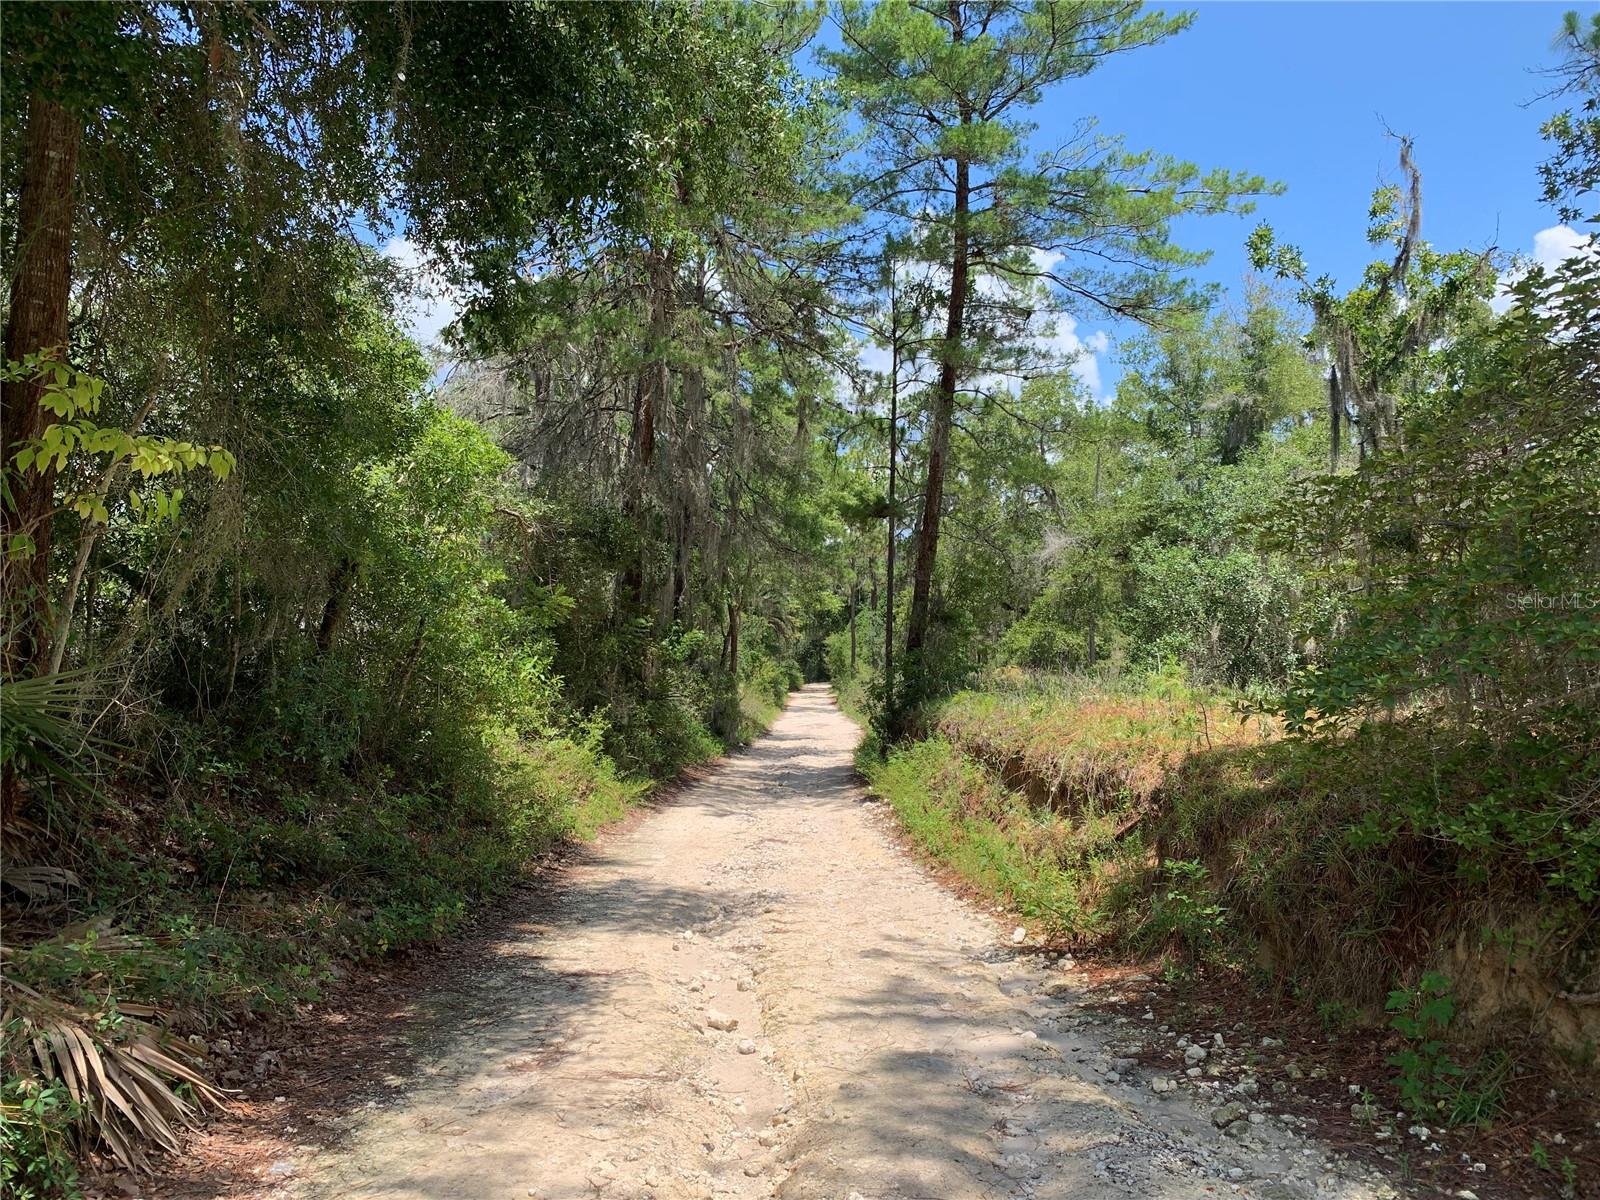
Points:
(889, 1042)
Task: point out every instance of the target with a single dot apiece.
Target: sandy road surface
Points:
(887, 1044)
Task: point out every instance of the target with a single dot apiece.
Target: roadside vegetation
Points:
(428, 427)
(1283, 662)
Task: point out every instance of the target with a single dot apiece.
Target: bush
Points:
(36, 1140)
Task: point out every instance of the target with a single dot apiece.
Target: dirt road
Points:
(754, 992)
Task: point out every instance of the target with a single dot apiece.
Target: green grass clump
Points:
(956, 810)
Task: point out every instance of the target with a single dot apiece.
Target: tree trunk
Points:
(409, 667)
(86, 539)
(891, 712)
(649, 397)
(36, 322)
(1090, 649)
(1335, 410)
(337, 607)
(943, 416)
(854, 588)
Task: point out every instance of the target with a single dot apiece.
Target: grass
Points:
(956, 810)
(1149, 817)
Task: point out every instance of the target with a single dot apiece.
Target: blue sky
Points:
(1301, 93)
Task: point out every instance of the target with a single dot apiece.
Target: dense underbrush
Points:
(1152, 819)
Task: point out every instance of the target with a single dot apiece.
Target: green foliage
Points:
(1572, 172)
(1430, 1082)
(1183, 912)
(74, 439)
(379, 646)
(1156, 557)
(36, 1158)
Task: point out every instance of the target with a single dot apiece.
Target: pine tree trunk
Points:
(1090, 649)
(943, 418)
(854, 588)
(649, 398)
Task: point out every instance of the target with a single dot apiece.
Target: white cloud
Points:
(1082, 353)
(1555, 245)
(1551, 247)
(429, 303)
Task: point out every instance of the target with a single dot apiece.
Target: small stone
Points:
(1364, 1112)
(721, 1020)
(1019, 935)
(1193, 1072)
(1161, 1086)
(746, 1046)
(767, 1138)
(1194, 1055)
(1228, 1114)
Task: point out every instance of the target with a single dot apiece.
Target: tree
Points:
(1380, 339)
(1572, 172)
(944, 89)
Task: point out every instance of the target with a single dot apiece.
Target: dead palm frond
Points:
(135, 1085)
(38, 884)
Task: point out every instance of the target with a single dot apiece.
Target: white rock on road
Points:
(899, 1055)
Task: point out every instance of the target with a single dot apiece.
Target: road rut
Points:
(888, 1044)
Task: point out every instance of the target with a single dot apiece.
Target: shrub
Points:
(36, 1159)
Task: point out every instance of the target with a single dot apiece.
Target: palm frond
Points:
(40, 731)
(136, 1085)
